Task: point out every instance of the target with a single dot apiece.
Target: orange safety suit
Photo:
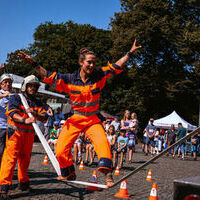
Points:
(19, 143)
(85, 106)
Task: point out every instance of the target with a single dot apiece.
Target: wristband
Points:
(23, 120)
(129, 54)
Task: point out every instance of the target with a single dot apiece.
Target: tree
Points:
(15, 67)
(161, 81)
(57, 46)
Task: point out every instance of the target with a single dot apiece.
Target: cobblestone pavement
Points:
(164, 171)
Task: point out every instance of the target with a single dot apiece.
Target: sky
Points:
(20, 18)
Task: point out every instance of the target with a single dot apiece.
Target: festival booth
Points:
(173, 118)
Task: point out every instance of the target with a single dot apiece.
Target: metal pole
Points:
(46, 146)
(156, 157)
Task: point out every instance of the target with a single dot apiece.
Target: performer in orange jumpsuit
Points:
(20, 136)
(84, 88)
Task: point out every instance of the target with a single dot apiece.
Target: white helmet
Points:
(6, 76)
(29, 79)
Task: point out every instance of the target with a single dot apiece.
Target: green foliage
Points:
(14, 65)
(57, 46)
(166, 75)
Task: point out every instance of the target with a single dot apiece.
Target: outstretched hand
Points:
(134, 47)
(23, 57)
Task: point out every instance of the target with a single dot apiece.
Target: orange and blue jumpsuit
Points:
(19, 143)
(85, 107)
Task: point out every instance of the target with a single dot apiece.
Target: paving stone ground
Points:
(164, 171)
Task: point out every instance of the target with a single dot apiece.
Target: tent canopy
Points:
(173, 118)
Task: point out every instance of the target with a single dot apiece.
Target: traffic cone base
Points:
(81, 167)
(149, 177)
(117, 172)
(123, 193)
(153, 194)
(45, 162)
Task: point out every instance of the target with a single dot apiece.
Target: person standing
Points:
(151, 131)
(6, 88)
(49, 124)
(116, 123)
(180, 133)
(170, 137)
(121, 149)
(20, 136)
(84, 88)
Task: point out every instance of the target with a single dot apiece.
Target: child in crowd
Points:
(135, 126)
(78, 148)
(89, 152)
(161, 140)
(54, 134)
(111, 136)
(61, 125)
(121, 149)
(131, 142)
(108, 122)
(156, 136)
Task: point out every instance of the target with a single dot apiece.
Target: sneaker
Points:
(4, 197)
(25, 187)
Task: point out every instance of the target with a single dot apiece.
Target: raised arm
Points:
(23, 57)
(129, 54)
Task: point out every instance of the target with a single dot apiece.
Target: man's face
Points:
(32, 88)
(6, 85)
(151, 121)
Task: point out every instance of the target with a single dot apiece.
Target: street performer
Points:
(84, 88)
(20, 135)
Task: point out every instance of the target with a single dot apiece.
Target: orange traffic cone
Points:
(93, 180)
(153, 194)
(45, 162)
(123, 193)
(81, 167)
(149, 178)
(117, 172)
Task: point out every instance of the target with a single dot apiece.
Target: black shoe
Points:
(4, 197)
(25, 187)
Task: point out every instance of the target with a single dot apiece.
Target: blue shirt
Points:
(3, 106)
(122, 141)
(181, 132)
(151, 129)
(59, 117)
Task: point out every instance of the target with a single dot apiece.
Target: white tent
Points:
(173, 118)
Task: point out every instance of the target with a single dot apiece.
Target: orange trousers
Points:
(93, 128)
(18, 149)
